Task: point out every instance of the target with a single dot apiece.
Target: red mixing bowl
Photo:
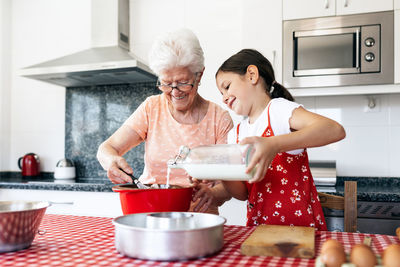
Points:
(134, 200)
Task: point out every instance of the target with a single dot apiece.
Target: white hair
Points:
(180, 48)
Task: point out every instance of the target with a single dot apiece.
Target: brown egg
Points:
(363, 256)
(391, 256)
(333, 257)
(331, 243)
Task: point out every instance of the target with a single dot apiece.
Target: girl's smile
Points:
(234, 90)
(243, 94)
(230, 102)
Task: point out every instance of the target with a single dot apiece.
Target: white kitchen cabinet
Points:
(300, 9)
(397, 45)
(104, 204)
(295, 9)
(262, 30)
(234, 211)
(345, 7)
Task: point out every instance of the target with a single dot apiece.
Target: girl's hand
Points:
(116, 171)
(265, 151)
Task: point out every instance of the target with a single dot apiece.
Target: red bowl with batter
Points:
(134, 200)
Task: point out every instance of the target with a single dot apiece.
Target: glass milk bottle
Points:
(215, 162)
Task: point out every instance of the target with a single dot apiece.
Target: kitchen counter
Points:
(89, 241)
(12, 180)
(368, 189)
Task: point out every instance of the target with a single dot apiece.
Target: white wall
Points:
(42, 30)
(5, 83)
(372, 142)
(218, 29)
(45, 29)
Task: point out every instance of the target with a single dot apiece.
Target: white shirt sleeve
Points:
(232, 135)
(280, 112)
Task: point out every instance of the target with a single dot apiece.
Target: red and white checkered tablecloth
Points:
(89, 241)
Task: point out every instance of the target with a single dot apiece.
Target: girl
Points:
(282, 190)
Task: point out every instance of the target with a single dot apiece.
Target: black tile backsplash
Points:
(92, 115)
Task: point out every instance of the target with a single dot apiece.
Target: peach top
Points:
(164, 135)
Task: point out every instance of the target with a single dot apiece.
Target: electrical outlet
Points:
(373, 105)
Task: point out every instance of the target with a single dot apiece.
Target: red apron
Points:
(287, 195)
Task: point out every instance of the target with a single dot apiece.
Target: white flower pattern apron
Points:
(287, 195)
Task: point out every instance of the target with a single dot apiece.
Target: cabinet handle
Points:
(274, 58)
(61, 203)
(326, 4)
(346, 3)
(395, 214)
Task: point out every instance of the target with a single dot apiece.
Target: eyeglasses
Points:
(183, 87)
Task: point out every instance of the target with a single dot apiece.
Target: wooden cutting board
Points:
(281, 241)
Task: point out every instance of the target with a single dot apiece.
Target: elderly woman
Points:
(178, 116)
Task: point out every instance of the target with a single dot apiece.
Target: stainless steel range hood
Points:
(97, 65)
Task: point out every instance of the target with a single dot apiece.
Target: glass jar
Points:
(215, 162)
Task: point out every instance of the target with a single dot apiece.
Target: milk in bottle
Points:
(215, 162)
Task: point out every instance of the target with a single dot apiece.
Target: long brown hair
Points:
(239, 62)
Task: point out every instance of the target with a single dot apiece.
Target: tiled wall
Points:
(92, 115)
(369, 150)
(372, 141)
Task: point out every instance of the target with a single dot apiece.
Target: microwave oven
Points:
(339, 51)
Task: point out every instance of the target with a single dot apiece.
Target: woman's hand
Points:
(265, 151)
(203, 197)
(209, 195)
(110, 154)
(119, 170)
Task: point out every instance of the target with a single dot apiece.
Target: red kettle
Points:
(29, 164)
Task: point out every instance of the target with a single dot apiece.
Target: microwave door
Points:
(327, 52)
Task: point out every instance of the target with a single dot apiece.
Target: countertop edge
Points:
(58, 186)
(373, 189)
